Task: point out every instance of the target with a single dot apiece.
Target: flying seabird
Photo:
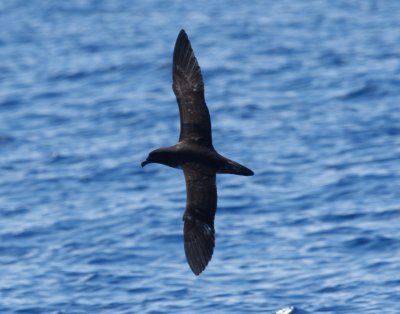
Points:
(195, 154)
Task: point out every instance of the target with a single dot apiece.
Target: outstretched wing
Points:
(188, 87)
(201, 204)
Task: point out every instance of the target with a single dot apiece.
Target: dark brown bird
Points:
(196, 155)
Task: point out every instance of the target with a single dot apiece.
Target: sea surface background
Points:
(305, 93)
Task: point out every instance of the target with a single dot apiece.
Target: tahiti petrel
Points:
(196, 155)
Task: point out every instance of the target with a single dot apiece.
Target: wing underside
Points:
(188, 87)
(201, 204)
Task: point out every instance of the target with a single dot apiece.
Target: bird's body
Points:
(195, 154)
(188, 152)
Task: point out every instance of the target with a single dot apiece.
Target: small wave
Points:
(374, 243)
(367, 90)
(5, 139)
(286, 310)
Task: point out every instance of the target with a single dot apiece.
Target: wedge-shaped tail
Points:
(234, 167)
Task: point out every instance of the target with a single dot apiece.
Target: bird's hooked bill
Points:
(144, 163)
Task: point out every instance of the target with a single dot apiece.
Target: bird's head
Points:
(161, 156)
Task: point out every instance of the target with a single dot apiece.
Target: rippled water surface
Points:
(306, 93)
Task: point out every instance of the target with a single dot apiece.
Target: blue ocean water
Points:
(305, 93)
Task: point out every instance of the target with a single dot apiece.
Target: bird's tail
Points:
(234, 167)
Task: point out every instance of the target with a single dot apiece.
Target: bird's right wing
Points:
(188, 87)
(201, 204)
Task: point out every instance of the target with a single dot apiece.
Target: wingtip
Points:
(182, 37)
(199, 247)
(196, 272)
(186, 72)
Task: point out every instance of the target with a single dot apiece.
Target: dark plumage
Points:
(196, 155)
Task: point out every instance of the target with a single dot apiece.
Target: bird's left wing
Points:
(201, 204)
(188, 87)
